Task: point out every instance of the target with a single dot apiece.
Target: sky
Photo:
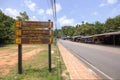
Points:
(69, 12)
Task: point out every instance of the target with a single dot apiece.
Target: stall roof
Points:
(110, 33)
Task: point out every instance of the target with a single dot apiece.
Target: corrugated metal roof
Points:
(110, 33)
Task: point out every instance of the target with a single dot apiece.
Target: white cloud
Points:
(33, 18)
(11, 12)
(95, 13)
(41, 11)
(112, 1)
(108, 2)
(31, 5)
(58, 9)
(65, 21)
(1, 9)
(102, 5)
(49, 11)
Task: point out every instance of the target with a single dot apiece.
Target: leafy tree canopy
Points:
(86, 29)
(6, 28)
(23, 16)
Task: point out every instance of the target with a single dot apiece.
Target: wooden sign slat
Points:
(36, 33)
(33, 24)
(34, 40)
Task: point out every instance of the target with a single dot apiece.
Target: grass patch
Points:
(36, 68)
(7, 46)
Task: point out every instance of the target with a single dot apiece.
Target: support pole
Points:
(49, 49)
(114, 40)
(19, 58)
(49, 53)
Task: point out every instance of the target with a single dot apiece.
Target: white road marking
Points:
(96, 69)
(90, 70)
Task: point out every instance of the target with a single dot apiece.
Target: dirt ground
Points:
(9, 56)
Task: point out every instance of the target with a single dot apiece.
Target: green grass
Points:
(36, 68)
(7, 46)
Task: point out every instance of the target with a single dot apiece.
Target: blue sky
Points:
(69, 12)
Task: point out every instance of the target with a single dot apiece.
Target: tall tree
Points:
(109, 25)
(68, 30)
(77, 30)
(58, 33)
(23, 16)
(112, 24)
(99, 28)
(117, 23)
(86, 29)
(6, 28)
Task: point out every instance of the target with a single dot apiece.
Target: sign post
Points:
(33, 32)
(49, 54)
(19, 58)
(49, 57)
(18, 40)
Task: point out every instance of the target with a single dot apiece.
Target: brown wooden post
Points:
(19, 58)
(49, 54)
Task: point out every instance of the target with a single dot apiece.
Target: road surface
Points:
(103, 60)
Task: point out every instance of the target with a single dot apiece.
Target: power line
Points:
(49, 6)
(53, 5)
(55, 17)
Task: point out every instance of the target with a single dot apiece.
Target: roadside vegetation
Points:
(36, 67)
(86, 28)
(7, 27)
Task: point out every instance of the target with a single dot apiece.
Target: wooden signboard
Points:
(30, 32)
(33, 24)
(33, 40)
(27, 30)
(34, 33)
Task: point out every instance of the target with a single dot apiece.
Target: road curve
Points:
(104, 60)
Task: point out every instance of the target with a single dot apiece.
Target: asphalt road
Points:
(103, 60)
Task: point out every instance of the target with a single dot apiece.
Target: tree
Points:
(99, 28)
(77, 30)
(112, 24)
(109, 25)
(6, 28)
(57, 33)
(86, 29)
(68, 30)
(23, 16)
(117, 23)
